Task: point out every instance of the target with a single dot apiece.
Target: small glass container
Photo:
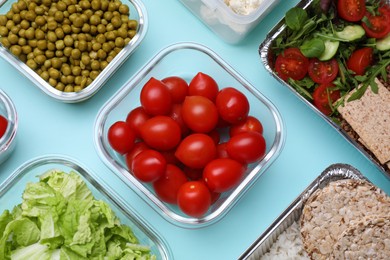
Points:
(8, 140)
(12, 188)
(186, 60)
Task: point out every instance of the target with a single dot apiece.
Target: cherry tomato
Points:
(221, 150)
(377, 26)
(360, 60)
(168, 185)
(232, 105)
(3, 125)
(250, 124)
(246, 147)
(323, 71)
(176, 114)
(203, 85)
(199, 113)
(193, 174)
(170, 157)
(223, 174)
(321, 96)
(215, 135)
(161, 133)
(148, 165)
(351, 10)
(194, 198)
(121, 137)
(196, 150)
(291, 63)
(178, 88)
(135, 118)
(156, 98)
(138, 147)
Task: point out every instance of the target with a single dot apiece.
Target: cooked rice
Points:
(288, 246)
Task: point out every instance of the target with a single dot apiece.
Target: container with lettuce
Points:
(60, 219)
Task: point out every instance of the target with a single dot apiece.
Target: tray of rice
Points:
(340, 215)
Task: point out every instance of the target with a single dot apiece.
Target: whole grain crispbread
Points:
(369, 117)
(367, 239)
(329, 211)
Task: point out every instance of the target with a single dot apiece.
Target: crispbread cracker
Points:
(367, 239)
(369, 116)
(329, 211)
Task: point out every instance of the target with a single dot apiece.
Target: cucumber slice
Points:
(384, 43)
(351, 33)
(331, 48)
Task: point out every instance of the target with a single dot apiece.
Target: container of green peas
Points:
(70, 48)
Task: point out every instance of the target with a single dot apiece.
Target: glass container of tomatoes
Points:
(8, 126)
(12, 189)
(192, 63)
(70, 63)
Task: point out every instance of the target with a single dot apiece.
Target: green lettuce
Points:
(60, 219)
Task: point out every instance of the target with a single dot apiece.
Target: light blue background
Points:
(47, 126)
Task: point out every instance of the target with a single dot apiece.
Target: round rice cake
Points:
(329, 211)
(366, 239)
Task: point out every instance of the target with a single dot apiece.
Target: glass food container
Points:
(8, 140)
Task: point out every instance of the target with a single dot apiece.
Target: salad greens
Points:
(322, 34)
(60, 219)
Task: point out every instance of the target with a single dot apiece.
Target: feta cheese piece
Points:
(243, 7)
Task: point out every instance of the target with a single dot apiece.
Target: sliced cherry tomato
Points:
(178, 88)
(323, 95)
(323, 71)
(161, 133)
(360, 60)
(377, 26)
(246, 147)
(199, 113)
(232, 105)
(250, 124)
(148, 165)
(121, 137)
(156, 98)
(223, 174)
(3, 125)
(194, 198)
(138, 147)
(291, 63)
(135, 118)
(351, 10)
(196, 150)
(203, 85)
(168, 185)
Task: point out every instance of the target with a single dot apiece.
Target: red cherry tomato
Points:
(148, 166)
(223, 174)
(178, 88)
(215, 135)
(193, 174)
(323, 95)
(121, 137)
(377, 26)
(250, 124)
(176, 114)
(232, 105)
(194, 198)
(291, 63)
(135, 118)
(351, 10)
(221, 150)
(3, 125)
(168, 185)
(161, 133)
(203, 85)
(199, 113)
(360, 60)
(170, 157)
(138, 147)
(323, 71)
(156, 98)
(246, 147)
(196, 150)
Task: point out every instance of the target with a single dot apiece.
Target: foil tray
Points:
(265, 241)
(268, 60)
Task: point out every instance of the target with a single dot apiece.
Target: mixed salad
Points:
(334, 47)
